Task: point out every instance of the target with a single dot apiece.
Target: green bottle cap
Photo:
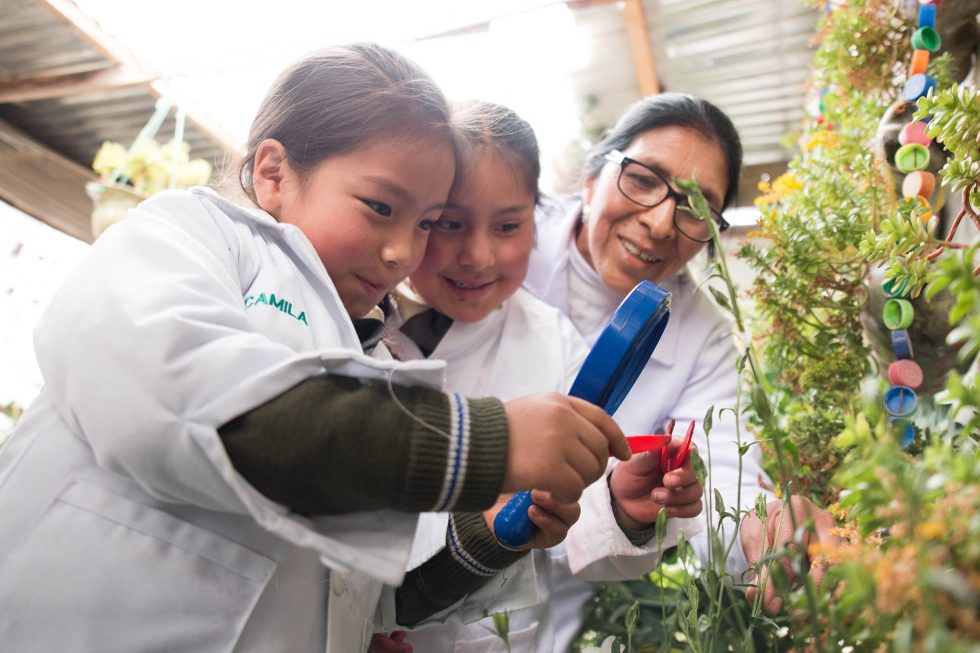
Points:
(911, 157)
(926, 38)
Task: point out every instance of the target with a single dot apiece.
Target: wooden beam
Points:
(640, 46)
(44, 88)
(89, 30)
(96, 36)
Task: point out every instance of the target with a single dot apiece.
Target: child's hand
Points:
(381, 643)
(642, 490)
(552, 518)
(560, 444)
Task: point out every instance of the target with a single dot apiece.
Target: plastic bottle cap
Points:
(920, 62)
(918, 184)
(927, 16)
(900, 401)
(894, 289)
(905, 372)
(901, 344)
(914, 132)
(926, 38)
(914, 156)
(924, 203)
(898, 314)
(917, 86)
(906, 432)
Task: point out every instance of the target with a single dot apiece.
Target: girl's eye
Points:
(509, 227)
(448, 224)
(378, 207)
(427, 225)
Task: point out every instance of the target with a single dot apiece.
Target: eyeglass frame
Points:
(620, 159)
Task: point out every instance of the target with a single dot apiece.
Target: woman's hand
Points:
(641, 489)
(560, 444)
(552, 518)
(757, 539)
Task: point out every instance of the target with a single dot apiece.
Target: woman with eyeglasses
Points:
(630, 224)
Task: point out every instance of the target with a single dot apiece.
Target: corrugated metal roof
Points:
(750, 57)
(69, 88)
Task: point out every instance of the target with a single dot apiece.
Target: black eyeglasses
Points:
(645, 186)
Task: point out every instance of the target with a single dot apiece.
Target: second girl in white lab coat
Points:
(465, 305)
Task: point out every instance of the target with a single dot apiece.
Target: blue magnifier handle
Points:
(512, 526)
(607, 375)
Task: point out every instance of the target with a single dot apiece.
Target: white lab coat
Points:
(692, 368)
(522, 348)
(125, 526)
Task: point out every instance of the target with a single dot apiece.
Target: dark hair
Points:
(485, 124)
(333, 100)
(672, 110)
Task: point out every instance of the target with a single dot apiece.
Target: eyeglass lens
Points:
(645, 187)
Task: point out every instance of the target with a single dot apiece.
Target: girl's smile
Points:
(479, 249)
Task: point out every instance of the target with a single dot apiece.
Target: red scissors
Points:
(643, 443)
(668, 464)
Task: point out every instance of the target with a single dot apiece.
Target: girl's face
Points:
(367, 213)
(627, 243)
(478, 251)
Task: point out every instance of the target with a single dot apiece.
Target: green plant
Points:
(148, 167)
(902, 243)
(904, 575)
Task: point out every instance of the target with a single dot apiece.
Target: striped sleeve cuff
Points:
(472, 544)
(458, 455)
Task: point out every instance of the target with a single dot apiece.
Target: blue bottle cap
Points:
(906, 432)
(900, 401)
(901, 344)
(927, 16)
(917, 86)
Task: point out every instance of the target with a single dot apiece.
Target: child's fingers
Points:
(685, 510)
(381, 643)
(551, 529)
(615, 440)
(678, 496)
(568, 513)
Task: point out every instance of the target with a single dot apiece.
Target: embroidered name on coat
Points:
(281, 304)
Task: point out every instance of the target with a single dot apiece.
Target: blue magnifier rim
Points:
(624, 347)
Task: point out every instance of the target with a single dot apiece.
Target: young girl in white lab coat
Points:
(465, 305)
(214, 463)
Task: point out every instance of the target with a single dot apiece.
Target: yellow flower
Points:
(109, 157)
(929, 530)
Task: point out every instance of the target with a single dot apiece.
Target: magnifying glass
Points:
(606, 377)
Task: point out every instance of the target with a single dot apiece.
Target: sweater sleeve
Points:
(334, 444)
(471, 557)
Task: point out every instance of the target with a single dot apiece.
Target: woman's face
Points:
(478, 251)
(627, 243)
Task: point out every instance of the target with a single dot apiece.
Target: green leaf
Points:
(708, 420)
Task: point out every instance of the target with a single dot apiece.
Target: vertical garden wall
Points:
(864, 258)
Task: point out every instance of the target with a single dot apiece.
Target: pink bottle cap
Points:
(914, 132)
(905, 372)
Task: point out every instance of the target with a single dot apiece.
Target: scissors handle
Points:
(670, 464)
